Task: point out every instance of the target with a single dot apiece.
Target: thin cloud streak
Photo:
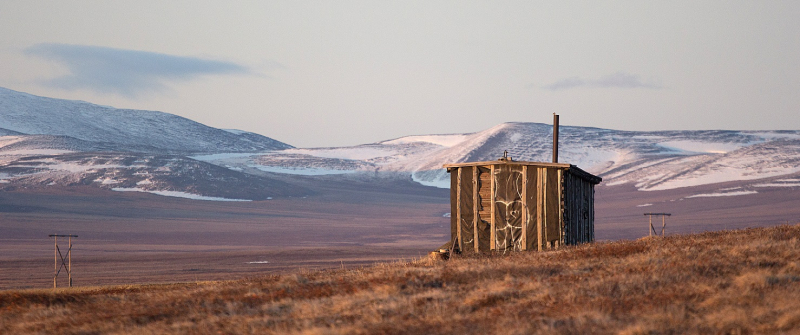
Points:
(129, 73)
(614, 80)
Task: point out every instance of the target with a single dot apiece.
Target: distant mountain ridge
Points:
(646, 159)
(123, 129)
(49, 142)
(651, 160)
(46, 142)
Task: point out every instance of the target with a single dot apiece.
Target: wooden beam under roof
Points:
(510, 162)
(572, 168)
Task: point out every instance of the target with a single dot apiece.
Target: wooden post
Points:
(524, 238)
(540, 216)
(458, 213)
(493, 198)
(555, 138)
(65, 263)
(663, 223)
(475, 209)
(69, 255)
(561, 203)
(55, 262)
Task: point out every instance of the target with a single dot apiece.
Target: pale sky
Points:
(331, 73)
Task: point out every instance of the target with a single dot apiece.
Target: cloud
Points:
(615, 80)
(125, 72)
(565, 84)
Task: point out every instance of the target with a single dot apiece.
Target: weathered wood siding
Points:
(508, 207)
(454, 202)
(578, 210)
(552, 202)
(532, 197)
(500, 206)
(483, 228)
(466, 210)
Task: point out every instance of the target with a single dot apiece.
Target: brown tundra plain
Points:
(725, 282)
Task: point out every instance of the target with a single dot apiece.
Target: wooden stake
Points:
(55, 262)
(65, 263)
(524, 238)
(493, 198)
(560, 208)
(458, 213)
(475, 209)
(69, 255)
(663, 223)
(539, 206)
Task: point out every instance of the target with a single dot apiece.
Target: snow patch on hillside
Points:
(727, 194)
(443, 140)
(300, 171)
(776, 135)
(225, 156)
(176, 194)
(777, 185)
(56, 165)
(354, 153)
(34, 152)
(694, 147)
(439, 183)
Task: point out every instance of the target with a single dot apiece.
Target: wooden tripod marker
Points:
(663, 222)
(65, 263)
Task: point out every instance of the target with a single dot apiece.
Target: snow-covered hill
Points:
(120, 129)
(159, 174)
(46, 141)
(649, 160)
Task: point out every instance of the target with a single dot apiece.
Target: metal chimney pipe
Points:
(555, 138)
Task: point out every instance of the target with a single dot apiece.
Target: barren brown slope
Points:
(718, 282)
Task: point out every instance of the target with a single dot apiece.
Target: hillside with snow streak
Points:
(32, 127)
(92, 126)
(47, 143)
(650, 160)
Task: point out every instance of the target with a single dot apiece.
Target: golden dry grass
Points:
(729, 282)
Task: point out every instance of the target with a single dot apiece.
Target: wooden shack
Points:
(516, 205)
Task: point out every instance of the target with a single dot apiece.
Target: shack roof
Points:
(571, 168)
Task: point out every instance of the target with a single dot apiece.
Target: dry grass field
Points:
(726, 282)
(138, 238)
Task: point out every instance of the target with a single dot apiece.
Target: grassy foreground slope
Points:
(744, 281)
